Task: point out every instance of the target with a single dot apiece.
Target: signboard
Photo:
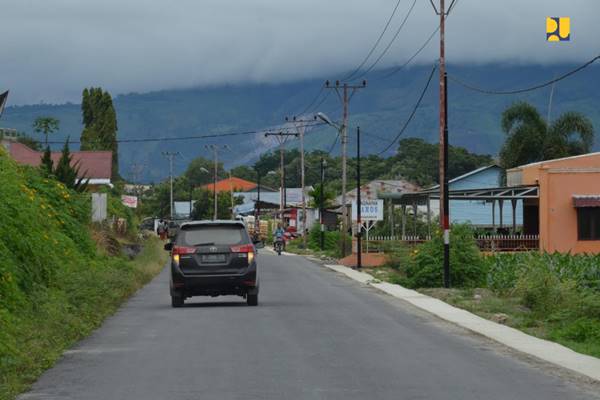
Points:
(99, 207)
(129, 201)
(370, 210)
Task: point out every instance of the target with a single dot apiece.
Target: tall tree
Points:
(200, 171)
(46, 125)
(100, 125)
(47, 164)
(529, 138)
(68, 173)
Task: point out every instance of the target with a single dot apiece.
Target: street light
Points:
(323, 117)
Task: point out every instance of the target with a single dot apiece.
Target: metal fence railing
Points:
(508, 242)
(490, 243)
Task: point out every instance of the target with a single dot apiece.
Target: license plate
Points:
(213, 258)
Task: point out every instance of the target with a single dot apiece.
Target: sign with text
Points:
(370, 210)
(129, 201)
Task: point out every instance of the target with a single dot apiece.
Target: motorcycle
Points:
(278, 246)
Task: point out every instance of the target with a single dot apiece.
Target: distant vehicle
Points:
(278, 246)
(148, 224)
(213, 258)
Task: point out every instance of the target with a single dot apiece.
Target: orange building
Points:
(232, 184)
(567, 212)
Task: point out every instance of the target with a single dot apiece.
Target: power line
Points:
(387, 25)
(314, 100)
(384, 52)
(524, 90)
(415, 54)
(334, 143)
(412, 114)
(205, 136)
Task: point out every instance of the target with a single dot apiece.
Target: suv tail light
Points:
(178, 250)
(244, 248)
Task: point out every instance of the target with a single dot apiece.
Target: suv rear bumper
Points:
(213, 285)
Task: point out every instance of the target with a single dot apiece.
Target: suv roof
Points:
(212, 222)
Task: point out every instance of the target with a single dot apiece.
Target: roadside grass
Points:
(58, 317)
(296, 246)
(581, 334)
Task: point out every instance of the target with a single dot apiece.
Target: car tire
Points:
(252, 299)
(177, 301)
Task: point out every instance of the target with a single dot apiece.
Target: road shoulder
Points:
(541, 349)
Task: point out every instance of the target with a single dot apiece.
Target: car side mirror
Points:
(259, 244)
(168, 246)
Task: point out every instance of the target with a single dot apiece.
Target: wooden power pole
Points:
(443, 162)
(345, 98)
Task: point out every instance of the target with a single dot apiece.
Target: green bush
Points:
(331, 243)
(467, 267)
(542, 290)
(580, 330)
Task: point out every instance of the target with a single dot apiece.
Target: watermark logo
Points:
(558, 29)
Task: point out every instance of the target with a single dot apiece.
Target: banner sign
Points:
(129, 201)
(370, 210)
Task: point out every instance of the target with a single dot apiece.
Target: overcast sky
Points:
(51, 49)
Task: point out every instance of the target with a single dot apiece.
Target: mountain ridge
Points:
(380, 110)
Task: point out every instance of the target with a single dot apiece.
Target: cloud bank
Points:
(52, 49)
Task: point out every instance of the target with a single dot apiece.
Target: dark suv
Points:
(213, 258)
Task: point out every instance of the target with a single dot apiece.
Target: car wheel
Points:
(176, 301)
(252, 299)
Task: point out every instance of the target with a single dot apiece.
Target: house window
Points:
(588, 223)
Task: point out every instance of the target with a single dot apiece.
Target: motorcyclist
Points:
(279, 235)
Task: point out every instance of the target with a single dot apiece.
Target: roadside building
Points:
(93, 165)
(480, 213)
(566, 212)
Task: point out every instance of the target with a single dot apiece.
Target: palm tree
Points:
(530, 138)
(45, 125)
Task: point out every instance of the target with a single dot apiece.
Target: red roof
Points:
(92, 164)
(233, 183)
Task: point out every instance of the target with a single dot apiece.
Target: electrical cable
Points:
(389, 45)
(524, 90)
(419, 50)
(314, 101)
(387, 25)
(412, 114)
(205, 136)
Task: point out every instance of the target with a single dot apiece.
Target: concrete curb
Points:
(513, 338)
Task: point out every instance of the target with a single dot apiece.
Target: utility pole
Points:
(300, 125)
(345, 99)
(170, 155)
(136, 172)
(257, 207)
(215, 150)
(281, 138)
(358, 205)
(443, 163)
(322, 204)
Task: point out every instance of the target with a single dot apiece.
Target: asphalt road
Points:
(314, 335)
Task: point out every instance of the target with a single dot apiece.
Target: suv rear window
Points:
(212, 234)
